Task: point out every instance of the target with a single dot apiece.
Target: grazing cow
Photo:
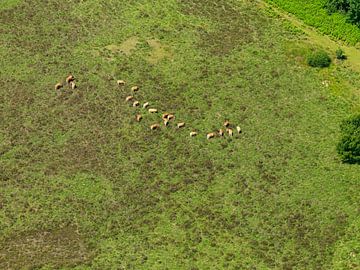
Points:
(135, 88)
(210, 135)
(129, 98)
(154, 126)
(69, 79)
(226, 123)
(120, 82)
(180, 125)
(221, 132)
(166, 122)
(153, 110)
(138, 117)
(193, 133)
(146, 104)
(165, 116)
(72, 85)
(58, 86)
(230, 132)
(170, 117)
(136, 103)
(238, 129)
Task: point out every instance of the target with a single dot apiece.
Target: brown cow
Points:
(210, 135)
(58, 86)
(154, 126)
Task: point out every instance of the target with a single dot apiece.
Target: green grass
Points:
(85, 187)
(313, 13)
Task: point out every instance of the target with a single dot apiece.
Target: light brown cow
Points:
(72, 85)
(153, 110)
(180, 125)
(154, 126)
(170, 117)
(58, 86)
(120, 82)
(165, 116)
(230, 132)
(136, 103)
(238, 129)
(226, 123)
(193, 133)
(138, 117)
(221, 132)
(69, 79)
(166, 122)
(146, 104)
(129, 98)
(135, 88)
(210, 135)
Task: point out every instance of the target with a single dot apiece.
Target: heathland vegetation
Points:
(83, 185)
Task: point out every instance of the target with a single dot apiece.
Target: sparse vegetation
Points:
(84, 185)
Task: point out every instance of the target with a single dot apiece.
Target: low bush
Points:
(319, 59)
(340, 54)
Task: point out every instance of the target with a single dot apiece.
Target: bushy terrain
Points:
(83, 186)
(316, 14)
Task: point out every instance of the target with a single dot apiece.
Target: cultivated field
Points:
(85, 186)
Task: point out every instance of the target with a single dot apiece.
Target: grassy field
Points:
(83, 186)
(314, 14)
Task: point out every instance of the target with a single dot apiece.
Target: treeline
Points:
(349, 7)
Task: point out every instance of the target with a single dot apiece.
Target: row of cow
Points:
(167, 117)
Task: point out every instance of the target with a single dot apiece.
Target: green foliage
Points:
(340, 54)
(350, 7)
(354, 12)
(319, 59)
(316, 14)
(349, 146)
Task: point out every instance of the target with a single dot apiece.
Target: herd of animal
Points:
(166, 117)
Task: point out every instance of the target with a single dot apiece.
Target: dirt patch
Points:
(158, 51)
(126, 47)
(62, 247)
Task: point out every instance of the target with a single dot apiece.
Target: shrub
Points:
(349, 145)
(340, 54)
(319, 59)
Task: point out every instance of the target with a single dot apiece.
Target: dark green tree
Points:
(350, 7)
(354, 11)
(337, 5)
(349, 145)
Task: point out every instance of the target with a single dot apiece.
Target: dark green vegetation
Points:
(319, 59)
(82, 186)
(350, 7)
(315, 13)
(340, 54)
(349, 146)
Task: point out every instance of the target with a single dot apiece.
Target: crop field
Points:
(315, 14)
(84, 186)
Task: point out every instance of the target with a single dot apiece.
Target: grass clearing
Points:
(276, 197)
